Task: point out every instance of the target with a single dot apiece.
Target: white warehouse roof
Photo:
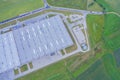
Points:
(32, 41)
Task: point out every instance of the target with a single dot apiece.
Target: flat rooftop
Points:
(33, 41)
(7, 75)
(8, 52)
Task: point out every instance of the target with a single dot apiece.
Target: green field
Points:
(110, 5)
(12, 8)
(103, 29)
(95, 25)
(117, 57)
(103, 69)
(76, 4)
(95, 72)
(106, 5)
(112, 31)
(110, 66)
(86, 64)
(93, 6)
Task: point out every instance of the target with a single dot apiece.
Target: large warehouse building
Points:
(35, 40)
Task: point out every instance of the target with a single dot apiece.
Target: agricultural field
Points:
(117, 57)
(93, 6)
(104, 5)
(110, 66)
(112, 31)
(95, 72)
(104, 28)
(110, 5)
(86, 63)
(95, 25)
(12, 8)
(107, 32)
(76, 4)
(103, 69)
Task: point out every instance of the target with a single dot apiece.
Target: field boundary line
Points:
(113, 13)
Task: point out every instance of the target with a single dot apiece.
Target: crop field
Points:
(103, 69)
(117, 57)
(114, 4)
(74, 46)
(95, 72)
(95, 25)
(87, 63)
(93, 6)
(112, 23)
(76, 4)
(12, 8)
(110, 66)
(110, 5)
(112, 31)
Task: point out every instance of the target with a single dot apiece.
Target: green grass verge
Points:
(74, 46)
(12, 8)
(24, 68)
(76, 4)
(7, 24)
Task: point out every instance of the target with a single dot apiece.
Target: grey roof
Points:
(8, 52)
(41, 38)
(33, 41)
(7, 75)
